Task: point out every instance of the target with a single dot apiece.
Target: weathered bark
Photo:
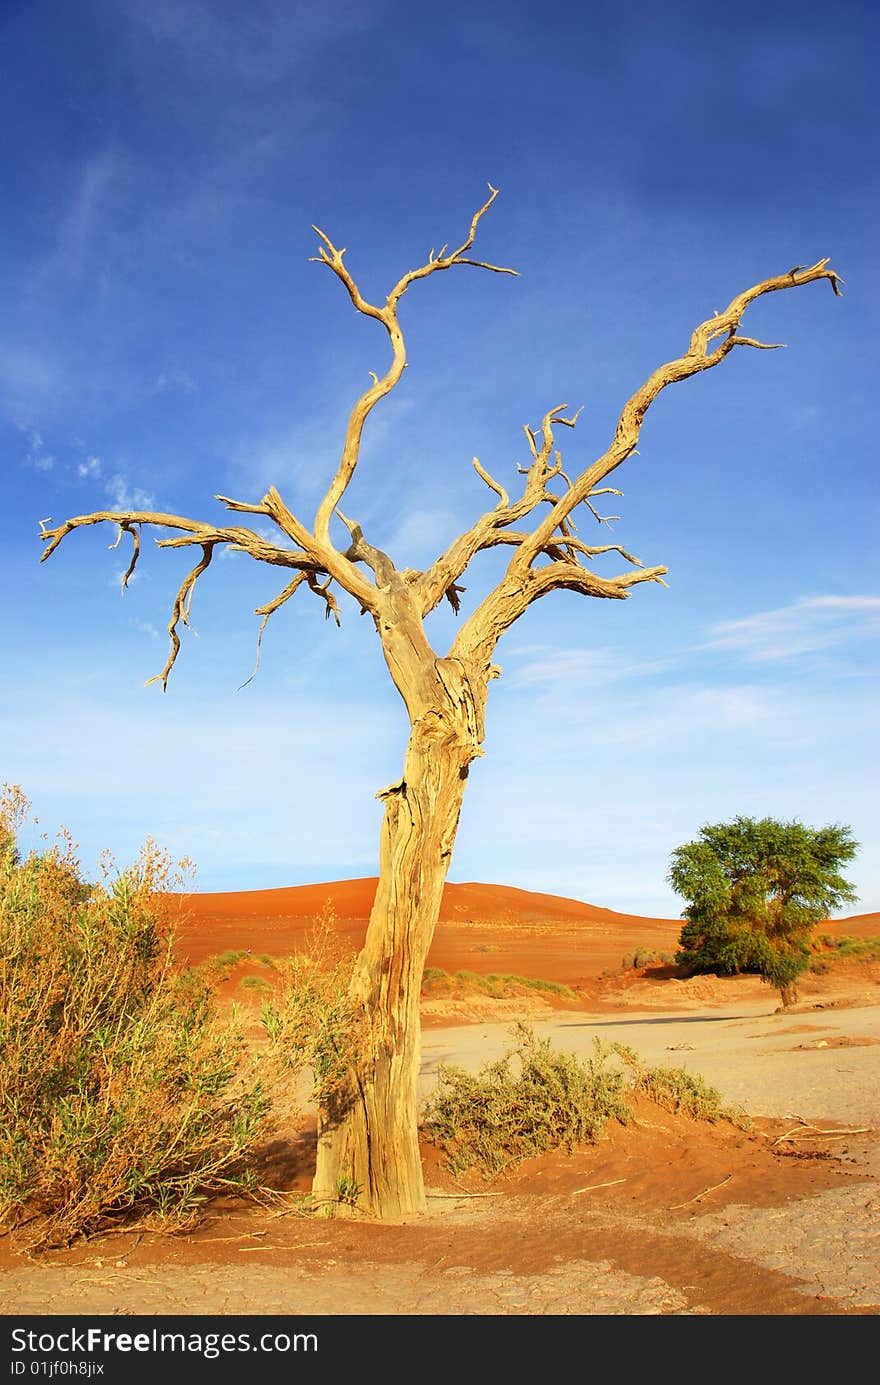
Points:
(368, 1149)
(368, 1138)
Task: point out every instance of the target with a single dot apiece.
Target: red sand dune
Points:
(483, 928)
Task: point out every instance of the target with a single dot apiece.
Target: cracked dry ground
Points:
(664, 1217)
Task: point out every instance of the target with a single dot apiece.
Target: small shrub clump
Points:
(535, 1099)
(531, 1100)
(676, 1089)
(642, 957)
(120, 1088)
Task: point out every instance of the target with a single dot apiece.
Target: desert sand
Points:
(663, 1217)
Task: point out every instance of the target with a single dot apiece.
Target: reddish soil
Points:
(483, 928)
(664, 1216)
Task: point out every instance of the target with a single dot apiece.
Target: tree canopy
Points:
(756, 888)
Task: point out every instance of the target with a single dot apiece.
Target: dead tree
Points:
(368, 1139)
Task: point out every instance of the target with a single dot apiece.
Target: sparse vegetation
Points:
(309, 1021)
(676, 1089)
(860, 949)
(640, 957)
(531, 1100)
(828, 951)
(254, 983)
(225, 961)
(496, 984)
(120, 1088)
(536, 1098)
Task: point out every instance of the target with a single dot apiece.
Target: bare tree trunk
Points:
(789, 993)
(368, 1149)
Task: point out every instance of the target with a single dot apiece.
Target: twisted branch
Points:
(547, 558)
(332, 257)
(266, 611)
(524, 582)
(127, 528)
(489, 529)
(180, 612)
(309, 561)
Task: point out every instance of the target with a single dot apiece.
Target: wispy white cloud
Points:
(123, 496)
(297, 460)
(577, 668)
(808, 625)
(279, 38)
(90, 467)
(36, 455)
(115, 579)
(83, 219)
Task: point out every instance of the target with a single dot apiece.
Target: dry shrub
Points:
(531, 1100)
(310, 1021)
(536, 1098)
(677, 1090)
(121, 1090)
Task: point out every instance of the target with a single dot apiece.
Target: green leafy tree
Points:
(756, 888)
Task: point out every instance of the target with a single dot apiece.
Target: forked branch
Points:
(332, 257)
(525, 579)
(308, 559)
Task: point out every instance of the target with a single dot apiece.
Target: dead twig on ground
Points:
(242, 1250)
(591, 1187)
(245, 1236)
(458, 1195)
(816, 1130)
(699, 1197)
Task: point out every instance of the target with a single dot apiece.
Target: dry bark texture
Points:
(369, 1139)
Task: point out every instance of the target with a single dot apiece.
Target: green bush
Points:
(756, 889)
(120, 1088)
(640, 957)
(683, 1092)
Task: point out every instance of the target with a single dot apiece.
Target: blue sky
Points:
(164, 337)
